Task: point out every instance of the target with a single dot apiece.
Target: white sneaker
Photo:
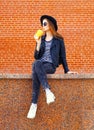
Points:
(50, 98)
(32, 111)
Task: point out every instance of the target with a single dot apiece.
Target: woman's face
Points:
(45, 25)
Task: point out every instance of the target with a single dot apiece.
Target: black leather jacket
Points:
(57, 51)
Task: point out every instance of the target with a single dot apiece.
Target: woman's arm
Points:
(63, 56)
(37, 48)
(64, 61)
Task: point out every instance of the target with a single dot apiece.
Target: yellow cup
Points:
(38, 34)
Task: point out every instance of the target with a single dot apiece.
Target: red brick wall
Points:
(19, 20)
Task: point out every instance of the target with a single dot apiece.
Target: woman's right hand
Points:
(38, 42)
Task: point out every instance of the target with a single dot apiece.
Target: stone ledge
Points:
(50, 76)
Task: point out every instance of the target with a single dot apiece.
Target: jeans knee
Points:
(37, 64)
(35, 67)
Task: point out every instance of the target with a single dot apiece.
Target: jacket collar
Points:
(53, 42)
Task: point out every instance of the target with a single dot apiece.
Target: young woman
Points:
(49, 54)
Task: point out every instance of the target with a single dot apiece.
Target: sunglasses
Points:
(44, 24)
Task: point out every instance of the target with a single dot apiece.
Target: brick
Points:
(19, 21)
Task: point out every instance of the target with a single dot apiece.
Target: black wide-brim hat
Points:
(50, 18)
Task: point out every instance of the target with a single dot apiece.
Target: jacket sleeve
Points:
(63, 56)
(38, 54)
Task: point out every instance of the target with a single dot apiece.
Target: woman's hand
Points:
(38, 42)
(71, 72)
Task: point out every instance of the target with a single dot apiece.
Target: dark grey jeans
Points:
(39, 77)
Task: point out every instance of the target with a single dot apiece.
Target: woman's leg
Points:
(41, 70)
(35, 85)
(35, 93)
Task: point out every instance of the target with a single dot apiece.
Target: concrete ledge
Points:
(50, 76)
(73, 108)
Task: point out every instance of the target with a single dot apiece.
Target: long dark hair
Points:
(53, 31)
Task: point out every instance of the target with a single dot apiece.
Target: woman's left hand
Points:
(71, 72)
